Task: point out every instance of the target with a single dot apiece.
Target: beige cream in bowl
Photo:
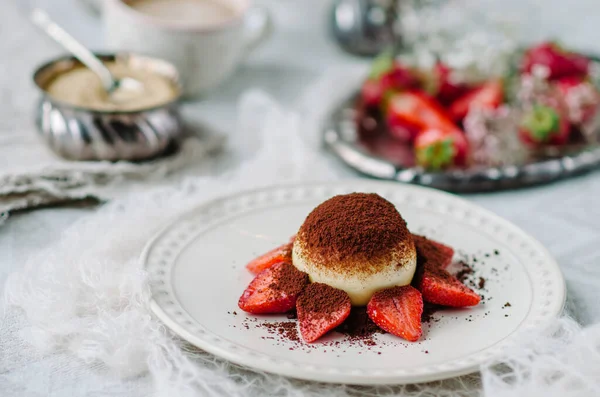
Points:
(79, 121)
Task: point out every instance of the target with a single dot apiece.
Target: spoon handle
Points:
(85, 56)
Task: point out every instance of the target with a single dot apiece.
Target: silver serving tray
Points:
(341, 137)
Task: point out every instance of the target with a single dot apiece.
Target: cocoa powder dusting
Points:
(289, 280)
(464, 272)
(429, 309)
(359, 226)
(358, 325)
(321, 298)
(285, 329)
(426, 249)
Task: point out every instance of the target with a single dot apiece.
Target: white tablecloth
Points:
(564, 216)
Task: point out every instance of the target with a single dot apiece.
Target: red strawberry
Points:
(447, 90)
(440, 287)
(545, 124)
(418, 110)
(371, 93)
(398, 311)
(320, 309)
(433, 252)
(399, 78)
(488, 96)
(581, 97)
(274, 290)
(437, 148)
(282, 253)
(560, 62)
(376, 88)
(399, 129)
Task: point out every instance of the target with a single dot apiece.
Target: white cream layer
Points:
(360, 286)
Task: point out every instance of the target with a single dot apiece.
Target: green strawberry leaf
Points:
(541, 122)
(437, 155)
(382, 64)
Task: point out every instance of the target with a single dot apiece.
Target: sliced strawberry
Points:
(384, 83)
(559, 61)
(418, 110)
(447, 89)
(440, 287)
(398, 311)
(274, 290)
(401, 130)
(545, 124)
(582, 98)
(438, 148)
(282, 253)
(320, 309)
(486, 96)
(371, 93)
(399, 78)
(433, 251)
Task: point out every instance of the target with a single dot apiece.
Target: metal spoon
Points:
(364, 27)
(110, 83)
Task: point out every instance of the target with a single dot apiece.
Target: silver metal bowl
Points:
(78, 133)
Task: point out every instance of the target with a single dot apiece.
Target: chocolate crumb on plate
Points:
(429, 310)
(359, 324)
(481, 284)
(285, 329)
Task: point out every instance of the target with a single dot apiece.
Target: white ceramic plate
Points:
(197, 271)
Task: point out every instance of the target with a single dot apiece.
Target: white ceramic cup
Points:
(205, 54)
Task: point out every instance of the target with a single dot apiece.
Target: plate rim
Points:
(291, 372)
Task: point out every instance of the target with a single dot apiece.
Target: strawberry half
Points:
(559, 61)
(433, 251)
(582, 98)
(446, 89)
(371, 93)
(282, 253)
(437, 148)
(398, 311)
(545, 124)
(487, 96)
(274, 290)
(320, 309)
(440, 287)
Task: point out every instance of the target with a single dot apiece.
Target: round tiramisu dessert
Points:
(355, 250)
(357, 243)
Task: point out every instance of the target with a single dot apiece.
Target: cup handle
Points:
(258, 28)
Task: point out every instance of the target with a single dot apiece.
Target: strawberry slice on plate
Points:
(274, 290)
(433, 251)
(320, 309)
(398, 311)
(440, 287)
(282, 253)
